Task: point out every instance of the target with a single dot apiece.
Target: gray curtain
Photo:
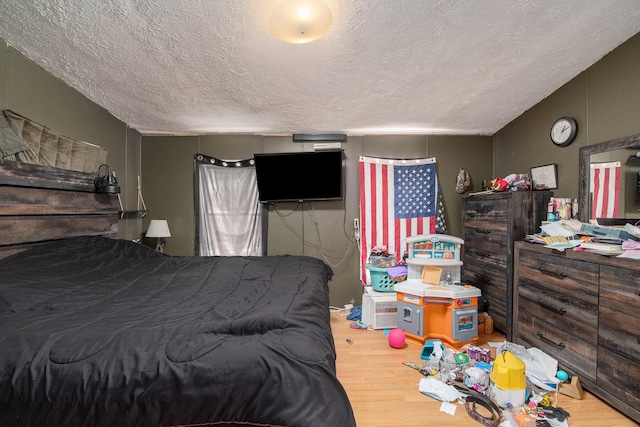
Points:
(229, 217)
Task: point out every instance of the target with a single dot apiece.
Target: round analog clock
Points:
(564, 131)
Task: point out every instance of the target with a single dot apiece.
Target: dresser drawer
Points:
(494, 212)
(569, 314)
(479, 272)
(619, 376)
(620, 289)
(484, 233)
(578, 356)
(556, 274)
(492, 255)
(619, 332)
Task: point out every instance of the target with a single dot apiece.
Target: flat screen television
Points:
(299, 176)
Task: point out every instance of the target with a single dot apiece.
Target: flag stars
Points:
(413, 189)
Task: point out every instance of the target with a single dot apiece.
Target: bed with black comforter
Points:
(105, 332)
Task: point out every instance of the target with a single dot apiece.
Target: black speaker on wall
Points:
(306, 137)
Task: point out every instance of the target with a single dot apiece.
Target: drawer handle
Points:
(481, 231)
(479, 278)
(483, 210)
(543, 338)
(553, 273)
(484, 254)
(552, 308)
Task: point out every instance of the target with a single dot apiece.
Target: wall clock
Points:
(564, 131)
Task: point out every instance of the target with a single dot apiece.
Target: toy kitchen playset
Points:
(432, 303)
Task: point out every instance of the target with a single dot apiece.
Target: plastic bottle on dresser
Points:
(551, 209)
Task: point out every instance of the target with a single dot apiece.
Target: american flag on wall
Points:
(398, 199)
(605, 189)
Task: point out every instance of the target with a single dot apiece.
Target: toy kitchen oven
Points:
(432, 303)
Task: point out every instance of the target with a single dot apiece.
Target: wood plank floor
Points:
(384, 392)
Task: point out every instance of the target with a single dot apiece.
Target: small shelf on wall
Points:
(141, 210)
(139, 213)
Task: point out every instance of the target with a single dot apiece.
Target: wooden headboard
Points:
(42, 203)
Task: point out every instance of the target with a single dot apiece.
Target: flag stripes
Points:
(605, 189)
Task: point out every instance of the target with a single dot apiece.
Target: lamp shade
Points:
(301, 21)
(158, 228)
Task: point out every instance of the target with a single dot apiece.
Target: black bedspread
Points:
(102, 332)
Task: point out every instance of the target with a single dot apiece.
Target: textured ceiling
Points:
(385, 67)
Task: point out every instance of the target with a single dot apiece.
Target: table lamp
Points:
(158, 228)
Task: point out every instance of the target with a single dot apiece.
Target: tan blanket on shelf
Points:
(49, 148)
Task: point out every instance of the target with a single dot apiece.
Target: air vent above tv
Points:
(320, 146)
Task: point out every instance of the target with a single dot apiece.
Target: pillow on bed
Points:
(87, 248)
(10, 143)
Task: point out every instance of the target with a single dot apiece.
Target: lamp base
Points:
(160, 246)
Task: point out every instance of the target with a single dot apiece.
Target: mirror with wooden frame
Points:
(625, 150)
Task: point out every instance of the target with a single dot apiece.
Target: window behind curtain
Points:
(229, 217)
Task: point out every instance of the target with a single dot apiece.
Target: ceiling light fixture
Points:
(301, 21)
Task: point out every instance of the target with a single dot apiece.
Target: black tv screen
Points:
(300, 176)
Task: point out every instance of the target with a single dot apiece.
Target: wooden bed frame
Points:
(42, 203)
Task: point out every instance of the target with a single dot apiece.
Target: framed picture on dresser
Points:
(545, 176)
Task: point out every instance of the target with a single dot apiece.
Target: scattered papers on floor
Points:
(448, 408)
(438, 390)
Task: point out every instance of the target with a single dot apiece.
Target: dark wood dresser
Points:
(583, 309)
(490, 224)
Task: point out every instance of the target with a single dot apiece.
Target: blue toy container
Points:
(381, 281)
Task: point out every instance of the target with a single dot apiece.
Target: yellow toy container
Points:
(508, 380)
